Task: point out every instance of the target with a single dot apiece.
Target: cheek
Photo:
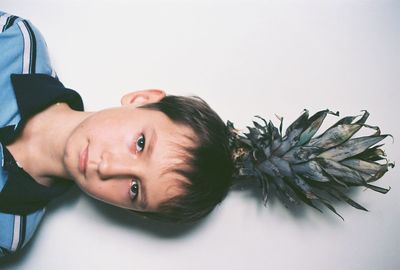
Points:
(109, 136)
(110, 191)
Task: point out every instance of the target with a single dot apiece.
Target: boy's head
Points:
(171, 150)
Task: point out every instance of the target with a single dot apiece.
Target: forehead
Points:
(175, 135)
(170, 147)
(162, 181)
(168, 141)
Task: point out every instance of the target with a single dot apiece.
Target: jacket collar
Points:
(36, 92)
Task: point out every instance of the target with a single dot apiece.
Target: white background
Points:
(245, 58)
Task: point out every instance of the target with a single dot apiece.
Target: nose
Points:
(116, 165)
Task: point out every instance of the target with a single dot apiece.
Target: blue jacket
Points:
(28, 85)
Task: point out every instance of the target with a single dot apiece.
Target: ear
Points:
(142, 97)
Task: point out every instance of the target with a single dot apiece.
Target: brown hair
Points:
(210, 166)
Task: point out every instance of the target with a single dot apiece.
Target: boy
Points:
(165, 157)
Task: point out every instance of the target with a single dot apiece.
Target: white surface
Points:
(244, 58)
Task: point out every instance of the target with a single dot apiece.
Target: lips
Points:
(83, 159)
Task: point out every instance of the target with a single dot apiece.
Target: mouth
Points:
(83, 159)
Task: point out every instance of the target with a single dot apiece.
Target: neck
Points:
(40, 148)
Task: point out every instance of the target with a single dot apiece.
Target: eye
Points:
(140, 143)
(134, 190)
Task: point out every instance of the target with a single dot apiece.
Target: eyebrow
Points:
(150, 146)
(143, 201)
(152, 142)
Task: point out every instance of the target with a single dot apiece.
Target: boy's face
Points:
(118, 155)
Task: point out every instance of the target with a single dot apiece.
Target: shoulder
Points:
(17, 230)
(23, 51)
(24, 46)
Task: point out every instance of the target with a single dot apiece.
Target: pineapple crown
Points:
(297, 167)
